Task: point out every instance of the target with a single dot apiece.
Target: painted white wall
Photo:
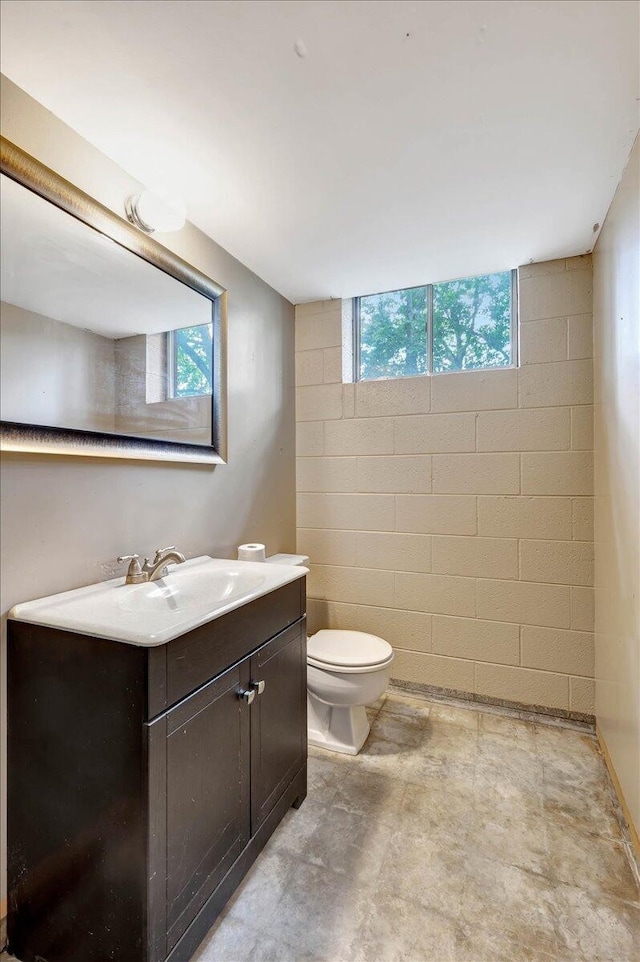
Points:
(617, 482)
(63, 519)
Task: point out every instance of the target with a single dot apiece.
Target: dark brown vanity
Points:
(143, 781)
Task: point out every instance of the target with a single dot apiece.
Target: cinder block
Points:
(580, 336)
(359, 436)
(452, 673)
(319, 402)
(310, 439)
(328, 547)
(583, 519)
(582, 428)
(475, 557)
(399, 395)
(557, 384)
(582, 609)
(402, 629)
(557, 562)
(348, 400)
(554, 649)
(580, 262)
(353, 585)
(353, 512)
(317, 614)
(397, 474)
(525, 517)
(523, 685)
(326, 474)
(435, 514)
(312, 308)
(475, 391)
(309, 368)
(524, 603)
(394, 551)
(569, 292)
(441, 594)
(435, 433)
(558, 473)
(313, 331)
(475, 639)
(582, 695)
(332, 365)
(476, 473)
(527, 429)
(543, 341)
(539, 268)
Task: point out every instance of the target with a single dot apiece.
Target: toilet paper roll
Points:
(251, 552)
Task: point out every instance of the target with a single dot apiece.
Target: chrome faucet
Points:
(163, 556)
(150, 570)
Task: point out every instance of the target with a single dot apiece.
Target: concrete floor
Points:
(455, 835)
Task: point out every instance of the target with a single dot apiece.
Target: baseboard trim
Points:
(630, 833)
(538, 713)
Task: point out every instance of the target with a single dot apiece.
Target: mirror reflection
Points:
(93, 337)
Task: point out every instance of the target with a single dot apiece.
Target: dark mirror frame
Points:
(38, 439)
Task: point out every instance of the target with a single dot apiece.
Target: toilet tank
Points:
(288, 559)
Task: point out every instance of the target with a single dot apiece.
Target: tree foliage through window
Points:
(192, 360)
(472, 323)
(393, 339)
(471, 320)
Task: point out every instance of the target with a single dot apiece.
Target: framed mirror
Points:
(110, 344)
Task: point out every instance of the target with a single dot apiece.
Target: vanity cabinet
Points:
(143, 782)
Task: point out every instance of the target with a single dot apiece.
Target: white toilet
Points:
(346, 670)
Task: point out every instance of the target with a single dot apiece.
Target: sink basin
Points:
(153, 613)
(187, 590)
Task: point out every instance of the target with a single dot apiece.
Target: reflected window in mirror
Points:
(190, 361)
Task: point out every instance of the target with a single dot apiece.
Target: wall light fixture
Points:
(151, 212)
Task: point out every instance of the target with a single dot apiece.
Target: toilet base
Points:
(337, 728)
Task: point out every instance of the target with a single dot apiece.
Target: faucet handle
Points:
(134, 570)
(127, 557)
(161, 551)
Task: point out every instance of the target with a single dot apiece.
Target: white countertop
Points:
(153, 613)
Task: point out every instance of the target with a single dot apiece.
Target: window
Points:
(460, 325)
(190, 361)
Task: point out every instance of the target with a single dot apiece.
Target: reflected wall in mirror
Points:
(99, 345)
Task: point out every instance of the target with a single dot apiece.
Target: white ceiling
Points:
(402, 142)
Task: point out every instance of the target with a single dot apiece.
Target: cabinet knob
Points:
(247, 696)
(259, 686)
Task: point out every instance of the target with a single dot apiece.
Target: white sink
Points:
(186, 590)
(153, 613)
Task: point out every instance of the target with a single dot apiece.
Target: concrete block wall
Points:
(453, 514)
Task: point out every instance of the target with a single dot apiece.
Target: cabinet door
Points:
(207, 803)
(278, 718)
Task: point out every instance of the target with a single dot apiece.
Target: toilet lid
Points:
(352, 649)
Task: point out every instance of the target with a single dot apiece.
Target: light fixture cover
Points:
(152, 211)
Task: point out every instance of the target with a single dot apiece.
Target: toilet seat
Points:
(348, 651)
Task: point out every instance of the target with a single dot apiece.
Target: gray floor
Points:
(454, 835)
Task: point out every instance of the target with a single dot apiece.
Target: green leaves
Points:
(472, 323)
(192, 352)
(393, 338)
(471, 320)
